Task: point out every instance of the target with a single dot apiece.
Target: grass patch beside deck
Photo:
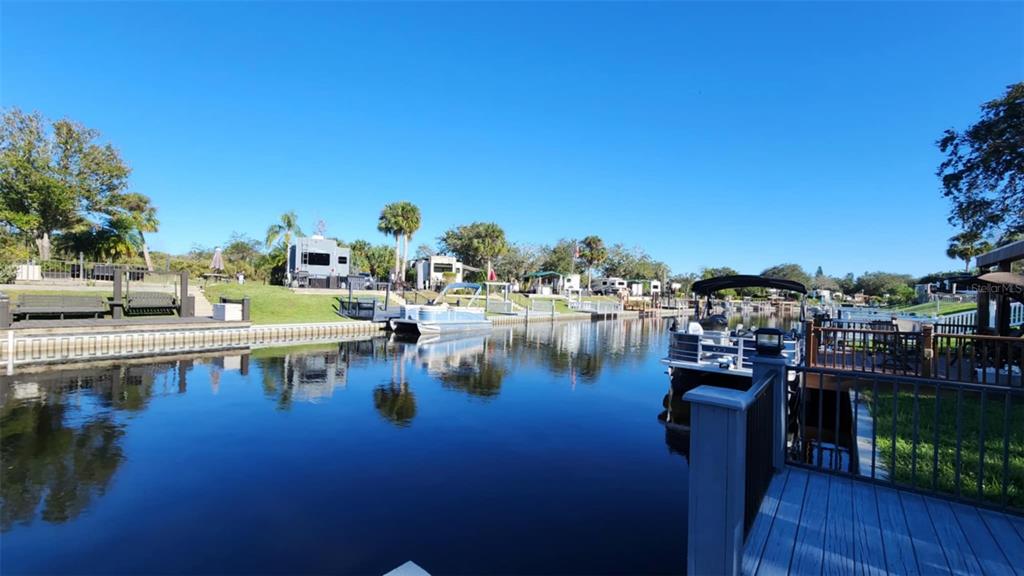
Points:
(279, 305)
(928, 308)
(1003, 435)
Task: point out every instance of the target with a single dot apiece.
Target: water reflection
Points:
(61, 437)
(551, 395)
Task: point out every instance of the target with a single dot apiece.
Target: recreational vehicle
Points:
(317, 262)
(608, 285)
(430, 272)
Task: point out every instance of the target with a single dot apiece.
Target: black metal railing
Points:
(956, 439)
(759, 453)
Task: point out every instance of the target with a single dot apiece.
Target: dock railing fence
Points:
(958, 440)
(884, 349)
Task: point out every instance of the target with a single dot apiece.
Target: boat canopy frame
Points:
(711, 285)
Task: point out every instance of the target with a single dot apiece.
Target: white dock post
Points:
(718, 431)
(10, 351)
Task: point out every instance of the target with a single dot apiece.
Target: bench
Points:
(150, 303)
(56, 305)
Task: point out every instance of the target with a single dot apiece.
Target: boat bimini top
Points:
(712, 285)
(476, 288)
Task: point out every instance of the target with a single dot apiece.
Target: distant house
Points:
(317, 262)
(430, 272)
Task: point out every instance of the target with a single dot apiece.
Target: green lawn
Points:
(928, 308)
(279, 305)
(996, 416)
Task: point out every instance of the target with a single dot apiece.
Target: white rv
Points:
(430, 272)
(608, 285)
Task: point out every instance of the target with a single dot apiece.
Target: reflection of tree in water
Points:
(396, 403)
(52, 465)
(477, 375)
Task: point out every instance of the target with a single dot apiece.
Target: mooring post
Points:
(927, 349)
(117, 304)
(185, 308)
(246, 307)
(718, 431)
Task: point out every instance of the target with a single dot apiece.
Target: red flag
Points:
(491, 276)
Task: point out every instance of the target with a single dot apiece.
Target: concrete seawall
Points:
(90, 341)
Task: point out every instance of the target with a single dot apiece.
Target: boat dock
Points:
(817, 523)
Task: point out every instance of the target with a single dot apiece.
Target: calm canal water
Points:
(525, 450)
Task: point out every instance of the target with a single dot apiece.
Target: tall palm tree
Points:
(411, 220)
(391, 224)
(140, 210)
(965, 246)
(285, 229)
(593, 254)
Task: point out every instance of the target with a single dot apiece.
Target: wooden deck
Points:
(816, 523)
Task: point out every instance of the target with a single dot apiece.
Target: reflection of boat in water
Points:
(441, 317)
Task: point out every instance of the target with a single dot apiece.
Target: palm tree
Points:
(965, 246)
(119, 239)
(391, 224)
(143, 216)
(593, 254)
(285, 229)
(411, 221)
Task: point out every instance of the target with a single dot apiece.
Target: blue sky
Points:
(709, 134)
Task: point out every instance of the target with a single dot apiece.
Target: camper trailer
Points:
(317, 262)
(430, 272)
(608, 285)
(551, 283)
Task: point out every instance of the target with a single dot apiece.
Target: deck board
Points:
(758, 537)
(930, 557)
(899, 548)
(869, 554)
(818, 523)
(810, 538)
(959, 554)
(839, 555)
(990, 555)
(778, 551)
(1007, 537)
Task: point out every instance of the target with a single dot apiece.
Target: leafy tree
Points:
(882, 283)
(477, 244)
(983, 173)
(242, 248)
(593, 254)
(284, 230)
(792, 272)
(706, 273)
(360, 249)
(378, 261)
(56, 178)
(423, 251)
(847, 284)
(965, 246)
(560, 257)
(142, 214)
(684, 280)
(518, 261)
